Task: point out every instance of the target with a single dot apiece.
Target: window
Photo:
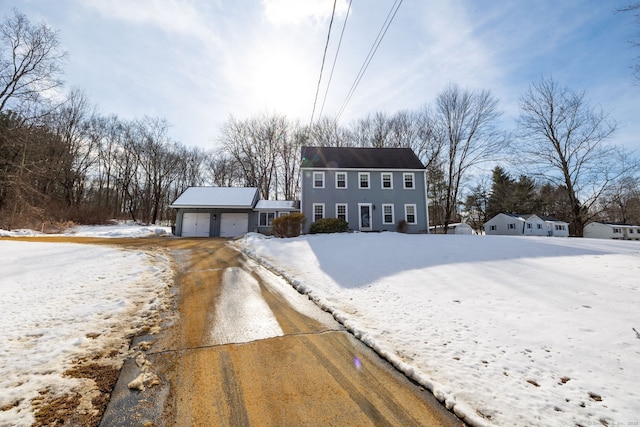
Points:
(539, 226)
(512, 226)
(363, 178)
(318, 180)
(410, 214)
(387, 180)
(559, 227)
(529, 226)
(492, 228)
(318, 211)
(387, 214)
(631, 231)
(266, 218)
(341, 211)
(617, 230)
(341, 180)
(408, 180)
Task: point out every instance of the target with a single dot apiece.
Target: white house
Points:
(507, 224)
(609, 230)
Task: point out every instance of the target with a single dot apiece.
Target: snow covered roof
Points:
(217, 197)
(278, 205)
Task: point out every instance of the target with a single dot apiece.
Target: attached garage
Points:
(196, 224)
(234, 224)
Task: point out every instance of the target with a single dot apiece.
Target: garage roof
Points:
(217, 197)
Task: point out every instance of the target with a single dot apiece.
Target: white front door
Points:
(196, 224)
(234, 224)
(364, 219)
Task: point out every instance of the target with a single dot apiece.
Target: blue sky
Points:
(197, 62)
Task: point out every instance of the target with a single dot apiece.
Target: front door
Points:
(365, 216)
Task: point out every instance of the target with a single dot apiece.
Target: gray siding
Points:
(377, 196)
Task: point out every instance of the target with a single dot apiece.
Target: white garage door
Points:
(196, 224)
(234, 224)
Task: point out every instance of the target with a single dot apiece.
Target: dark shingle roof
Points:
(360, 158)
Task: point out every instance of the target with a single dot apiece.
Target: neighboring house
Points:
(215, 211)
(268, 210)
(371, 188)
(459, 228)
(611, 230)
(525, 225)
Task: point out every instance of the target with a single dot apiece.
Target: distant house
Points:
(525, 225)
(611, 230)
(373, 189)
(459, 228)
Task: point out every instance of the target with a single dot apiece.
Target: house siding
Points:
(353, 196)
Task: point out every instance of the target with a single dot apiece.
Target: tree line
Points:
(60, 160)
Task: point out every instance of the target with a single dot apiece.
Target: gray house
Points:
(215, 211)
(373, 189)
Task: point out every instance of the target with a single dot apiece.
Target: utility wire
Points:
(335, 59)
(372, 51)
(322, 66)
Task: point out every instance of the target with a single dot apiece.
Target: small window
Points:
(387, 214)
(410, 214)
(318, 211)
(341, 180)
(539, 226)
(387, 180)
(363, 178)
(631, 231)
(512, 226)
(617, 230)
(341, 211)
(408, 180)
(318, 180)
(492, 228)
(266, 218)
(529, 226)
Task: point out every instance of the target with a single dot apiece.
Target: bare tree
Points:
(634, 8)
(564, 141)
(30, 60)
(465, 121)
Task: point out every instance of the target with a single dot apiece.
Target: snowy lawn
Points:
(507, 331)
(64, 303)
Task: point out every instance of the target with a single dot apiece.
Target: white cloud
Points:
(282, 12)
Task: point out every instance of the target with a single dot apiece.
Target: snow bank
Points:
(506, 331)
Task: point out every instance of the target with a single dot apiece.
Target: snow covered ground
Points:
(62, 302)
(507, 331)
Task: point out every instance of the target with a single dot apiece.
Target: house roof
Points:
(217, 197)
(282, 205)
(360, 158)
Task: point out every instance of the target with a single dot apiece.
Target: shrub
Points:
(288, 225)
(402, 226)
(329, 225)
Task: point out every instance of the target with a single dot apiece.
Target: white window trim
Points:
(346, 210)
(393, 216)
(266, 216)
(346, 183)
(382, 174)
(314, 210)
(314, 179)
(368, 175)
(413, 180)
(415, 213)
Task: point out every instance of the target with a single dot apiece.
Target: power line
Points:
(335, 59)
(322, 66)
(372, 51)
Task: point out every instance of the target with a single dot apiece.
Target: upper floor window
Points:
(410, 214)
(408, 180)
(341, 180)
(341, 211)
(318, 180)
(387, 180)
(363, 178)
(387, 214)
(318, 211)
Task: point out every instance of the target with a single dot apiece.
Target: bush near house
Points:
(329, 225)
(402, 226)
(288, 225)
